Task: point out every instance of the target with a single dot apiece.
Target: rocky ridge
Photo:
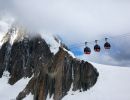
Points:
(50, 74)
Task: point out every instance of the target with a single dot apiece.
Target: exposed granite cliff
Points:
(50, 74)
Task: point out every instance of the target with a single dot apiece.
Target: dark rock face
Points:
(2, 58)
(50, 74)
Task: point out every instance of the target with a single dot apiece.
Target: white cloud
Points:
(92, 17)
(74, 20)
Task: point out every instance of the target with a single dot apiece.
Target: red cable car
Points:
(97, 47)
(107, 45)
(87, 50)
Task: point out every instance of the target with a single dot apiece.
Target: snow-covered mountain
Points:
(40, 66)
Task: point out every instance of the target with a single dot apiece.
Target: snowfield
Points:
(113, 84)
(9, 92)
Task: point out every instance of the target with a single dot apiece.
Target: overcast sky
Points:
(76, 21)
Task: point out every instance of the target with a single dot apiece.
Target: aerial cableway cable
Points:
(74, 45)
(97, 47)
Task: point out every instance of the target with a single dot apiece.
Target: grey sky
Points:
(76, 20)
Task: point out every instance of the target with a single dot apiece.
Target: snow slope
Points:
(8, 92)
(113, 84)
(54, 45)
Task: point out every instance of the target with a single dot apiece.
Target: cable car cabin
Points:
(107, 45)
(97, 48)
(87, 50)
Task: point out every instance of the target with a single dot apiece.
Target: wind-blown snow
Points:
(5, 24)
(113, 84)
(13, 36)
(3, 29)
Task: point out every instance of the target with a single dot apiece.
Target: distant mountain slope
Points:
(113, 84)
